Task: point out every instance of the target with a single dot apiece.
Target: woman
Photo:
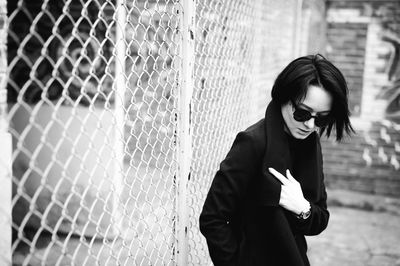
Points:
(269, 191)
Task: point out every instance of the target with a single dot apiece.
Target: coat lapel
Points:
(308, 168)
(277, 155)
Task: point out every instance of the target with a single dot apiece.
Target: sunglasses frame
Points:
(306, 115)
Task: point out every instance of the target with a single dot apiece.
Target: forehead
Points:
(317, 99)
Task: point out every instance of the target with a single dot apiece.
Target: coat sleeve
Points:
(319, 218)
(219, 218)
(317, 221)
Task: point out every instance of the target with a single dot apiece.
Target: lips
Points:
(304, 131)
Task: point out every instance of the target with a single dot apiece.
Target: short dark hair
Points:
(293, 82)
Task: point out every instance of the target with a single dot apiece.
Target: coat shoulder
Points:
(256, 131)
(256, 134)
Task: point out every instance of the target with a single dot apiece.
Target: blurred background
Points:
(115, 114)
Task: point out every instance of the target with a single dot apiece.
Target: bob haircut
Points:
(293, 82)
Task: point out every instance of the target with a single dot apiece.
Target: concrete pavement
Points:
(363, 230)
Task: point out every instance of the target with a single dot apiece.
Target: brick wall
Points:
(369, 161)
(346, 48)
(364, 162)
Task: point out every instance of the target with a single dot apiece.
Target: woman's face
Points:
(317, 101)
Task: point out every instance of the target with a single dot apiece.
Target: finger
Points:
(289, 176)
(278, 175)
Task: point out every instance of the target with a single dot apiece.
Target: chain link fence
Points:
(94, 97)
(240, 46)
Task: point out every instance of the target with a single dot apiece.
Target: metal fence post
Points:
(6, 147)
(184, 132)
(120, 88)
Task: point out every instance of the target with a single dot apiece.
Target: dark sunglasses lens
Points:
(301, 115)
(322, 121)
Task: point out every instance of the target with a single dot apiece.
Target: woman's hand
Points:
(292, 198)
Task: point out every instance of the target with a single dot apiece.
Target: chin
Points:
(298, 135)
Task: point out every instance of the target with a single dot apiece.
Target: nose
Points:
(310, 123)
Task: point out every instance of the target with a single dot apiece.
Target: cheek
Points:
(289, 120)
(293, 122)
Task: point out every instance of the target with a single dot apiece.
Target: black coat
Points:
(241, 217)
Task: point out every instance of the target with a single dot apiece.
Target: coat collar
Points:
(308, 170)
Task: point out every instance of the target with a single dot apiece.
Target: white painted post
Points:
(297, 28)
(120, 88)
(305, 31)
(5, 195)
(5, 146)
(184, 133)
(5, 192)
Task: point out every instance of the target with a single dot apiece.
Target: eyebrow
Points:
(312, 110)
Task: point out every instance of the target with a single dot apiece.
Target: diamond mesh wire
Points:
(92, 92)
(240, 46)
(92, 95)
(77, 199)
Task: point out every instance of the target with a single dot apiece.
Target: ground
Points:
(363, 230)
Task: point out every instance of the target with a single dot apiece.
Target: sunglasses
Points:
(302, 115)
